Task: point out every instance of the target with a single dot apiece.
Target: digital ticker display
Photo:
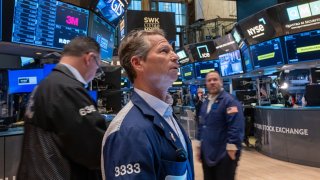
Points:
(203, 67)
(268, 53)
(48, 23)
(230, 63)
(104, 34)
(303, 46)
(187, 72)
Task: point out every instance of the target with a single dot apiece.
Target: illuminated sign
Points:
(304, 10)
(27, 80)
(203, 51)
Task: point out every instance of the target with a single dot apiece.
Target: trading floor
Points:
(256, 166)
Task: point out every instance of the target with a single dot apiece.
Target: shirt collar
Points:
(75, 73)
(157, 104)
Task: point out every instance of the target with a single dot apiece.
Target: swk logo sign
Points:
(151, 23)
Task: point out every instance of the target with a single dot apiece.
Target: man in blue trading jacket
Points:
(144, 141)
(221, 131)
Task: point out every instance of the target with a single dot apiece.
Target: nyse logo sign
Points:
(258, 30)
(203, 51)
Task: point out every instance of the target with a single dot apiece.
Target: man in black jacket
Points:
(63, 129)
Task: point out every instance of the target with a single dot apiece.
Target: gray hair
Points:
(80, 45)
(135, 44)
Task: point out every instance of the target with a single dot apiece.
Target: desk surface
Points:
(12, 132)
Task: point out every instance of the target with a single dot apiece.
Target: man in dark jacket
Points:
(221, 131)
(63, 129)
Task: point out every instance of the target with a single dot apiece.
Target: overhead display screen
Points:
(225, 44)
(112, 10)
(183, 56)
(187, 72)
(262, 26)
(230, 63)
(203, 51)
(268, 53)
(104, 34)
(303, 46)
(246, 58)
(299, 16)
(48, 23)
(203, 67)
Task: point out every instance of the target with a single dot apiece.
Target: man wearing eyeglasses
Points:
(63, 129)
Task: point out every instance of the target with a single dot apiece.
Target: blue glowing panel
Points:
(48, 23)
(104, 34)
(203, 67)
(26, 61)
(267, 53)
(21, 81)
(112, 10)
(47, 68)
(230, 63)
(93, 95)
(187, 72)
(303, 46)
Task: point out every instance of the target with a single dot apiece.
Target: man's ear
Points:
(88, 57)
(136, 63)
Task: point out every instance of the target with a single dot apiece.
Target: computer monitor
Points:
(24, 81)
(203, 67)
(187, 72)
(230, 63)
(266, 54)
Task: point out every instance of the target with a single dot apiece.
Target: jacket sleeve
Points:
(235, 124)
(128, 154)
(78, 126)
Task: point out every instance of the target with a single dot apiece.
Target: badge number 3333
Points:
(127, 169)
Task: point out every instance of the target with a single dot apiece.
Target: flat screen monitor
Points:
(203, 67)
(47, 68)
(25, 61)
(24, 81)
(187, 72)
(303, 46)
(203, 51)
(230, 63)
(246, 58)
(268, 53)
(104, 34)
(48, 23)
(112, 10)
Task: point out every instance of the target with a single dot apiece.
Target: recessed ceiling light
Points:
(38, 53)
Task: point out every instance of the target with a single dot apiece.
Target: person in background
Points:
(198, 100)
(63, 129)
(221, 131)
(145, 141)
